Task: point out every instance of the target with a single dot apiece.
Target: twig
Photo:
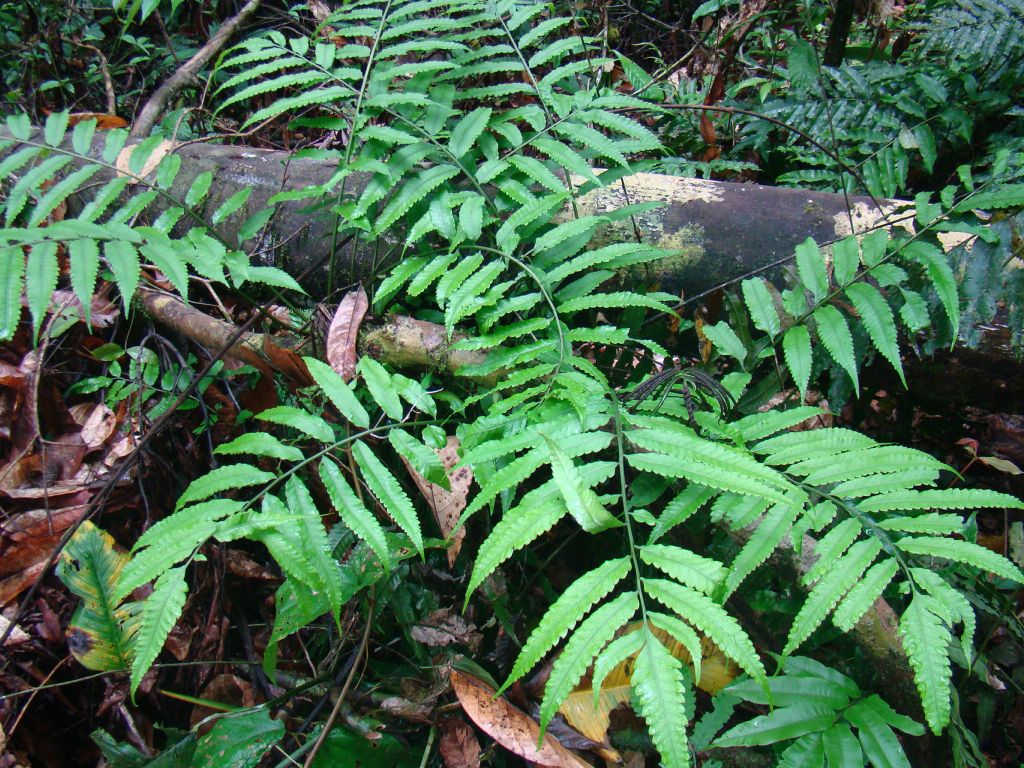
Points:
(108, 82)
(150, 112)
(344, 689)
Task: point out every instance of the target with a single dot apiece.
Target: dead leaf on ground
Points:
(458, 745)
(443, 628)
(447, 506)
(286, 361)
(98, 423)
(344, 331)
(17, 636)
(223, 689)
(508, 725)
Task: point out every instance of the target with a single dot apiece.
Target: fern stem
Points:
(623, 492)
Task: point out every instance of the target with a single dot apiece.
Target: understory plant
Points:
(473, 130)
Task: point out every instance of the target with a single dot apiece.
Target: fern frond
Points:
(566, 612)
(949, 498)
(387, 490)
(304, 422)
(859, 599)
(926, 639)
(223, 479)
(832, 546)
(878, 321)
(160, 612)
(614, 654)
(685, 567)
(794, 447)
(796, 350)
(826, 594)
(772, 529)
(314, 543)
(681, 508)
(586, 642)
(870, 485)
(663, 700)
(962, 552)
(353, 513)
(954, 601)
(711, 619)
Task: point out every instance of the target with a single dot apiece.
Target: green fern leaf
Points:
(863, 596)
(841, 747)
(260, 444)
(685, 567)
(831, 547)
(796, 349)
(17, 197)
(823, 598)
(962, 552)
(941, 276)
(389, 493)
(55, 128)
(580, 500)
(681, 508)
(810, 265)
(315, 546)
(41, 280)
(663, 700)
(89, 566)
(455, 277)
(870, 485)
(878, 321)
(223, 479)
(877, 459)
(932, 522)
(761, 307)
(586, 642)
(85, 265)
(711, 619)
(123, 260)
(353, 513)
(926, 639)
(468, 130)
(949, 498)
(535, 514)
(566, 612)
(705, 474)
(565, 157)
(616, 652)
(321, 96)
(515, 531)
(726, 341)
(172, 540)
(60, 192)
(12, 278)
(304, 422)
(383, 391)
(466, 300)
(412, 193)
(681, 632)
(566, 231)
(758, 426)
(954, 601)
(338, 392)
(845, 260)
(835, 335)
(538, 172)
(619, 300)
(799, 446)
(772, 529)
(287, 543)
(160, 612)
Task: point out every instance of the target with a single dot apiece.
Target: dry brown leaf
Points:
(98, 423)
(447, 506)
(344, 330)
(17, 635)
(458, 745)
(104, 122)
(508, 725)
(442, 627)
(286, 361)
(125, 155)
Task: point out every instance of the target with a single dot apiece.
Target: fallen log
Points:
(720, 230)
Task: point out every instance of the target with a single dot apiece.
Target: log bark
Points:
(720, 230)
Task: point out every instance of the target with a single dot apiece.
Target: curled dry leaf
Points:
(97, 421)
(447, 506)
(508, 725)
(458, 745)
(344, 331)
